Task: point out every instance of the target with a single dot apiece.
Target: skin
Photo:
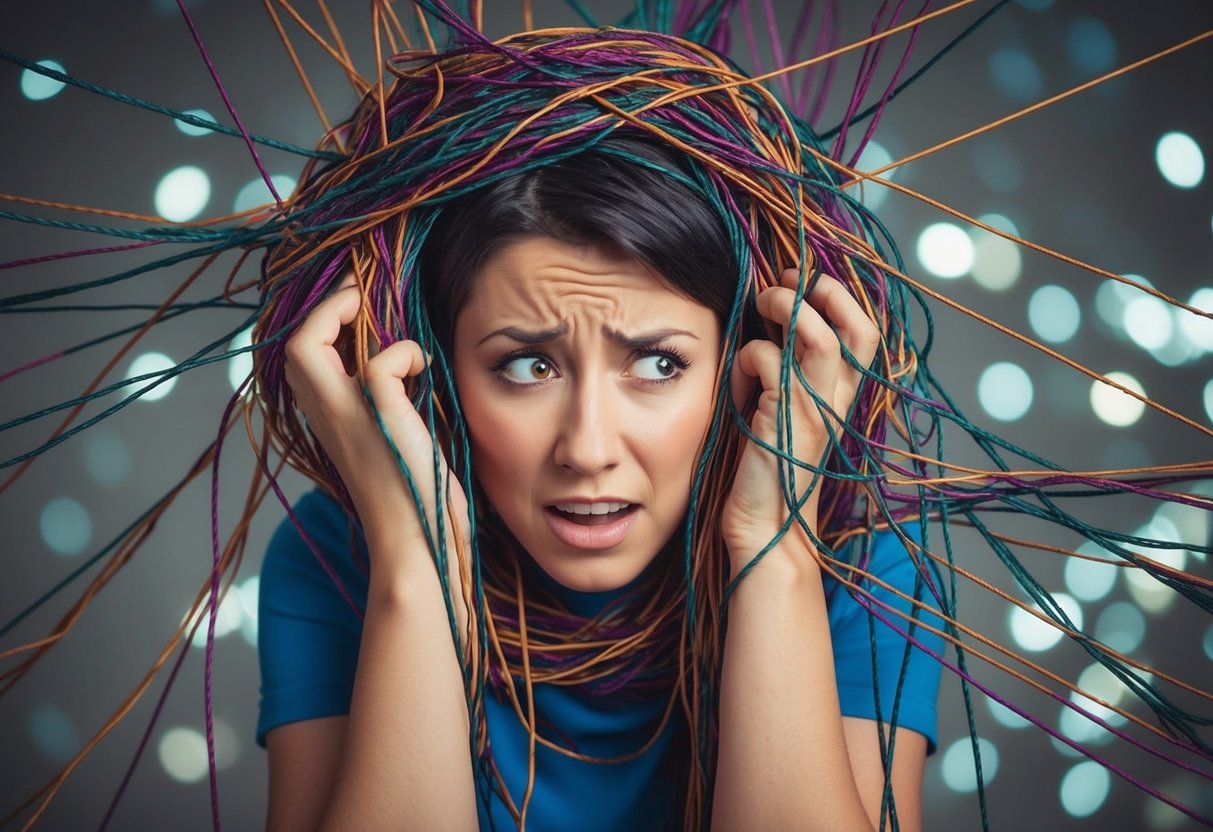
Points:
(584, 414)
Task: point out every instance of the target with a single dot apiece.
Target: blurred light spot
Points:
(249, 592)
(1148, 322)
(183, 755)
(1090, 45)
(1112, 297)
(1084, 789)
(998, 166)
(182, 193)
(1179, 160)
(874, 157)
(996, 261)
(1209, 399)
(1178, 349)
(146, 364)
(193, 129)
(1162, 817)
(37, 87)
(239, 366)
(255, 194)
(1006, 717)
(1121, 626)
(1207, 643)
(66, 526)
(1151, 594)
(106, 456)
(1015, 74)
(1091, 580)
(1113, 406)
(1005, 391)
(227, 743)
(228, 619)
(1035, 635)
(1191, 523)
(1125, 452)
(959, 769)
(1196, 329)
(1054, 314)
(1098, 683)
(945, 250)
(53, 733)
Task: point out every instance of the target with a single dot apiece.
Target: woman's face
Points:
(587, 386)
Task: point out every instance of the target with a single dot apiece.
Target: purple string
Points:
(86, 252)
(870, 603)
(227, 101)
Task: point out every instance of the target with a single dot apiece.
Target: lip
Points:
(578, 536)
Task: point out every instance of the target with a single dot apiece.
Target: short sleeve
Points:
(309, 616)
(857, 634)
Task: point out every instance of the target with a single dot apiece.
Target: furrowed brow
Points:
(527, 336)
(645, 339)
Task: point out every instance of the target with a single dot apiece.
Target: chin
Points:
(593, 573)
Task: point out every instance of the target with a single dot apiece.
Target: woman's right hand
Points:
(339, 415)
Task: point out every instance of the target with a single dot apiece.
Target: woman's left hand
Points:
(828, 317)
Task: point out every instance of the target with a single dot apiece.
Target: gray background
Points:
(1079, 177)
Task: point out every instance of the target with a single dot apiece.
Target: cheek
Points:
(506, 441)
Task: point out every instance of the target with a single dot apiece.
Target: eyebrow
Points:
(543, 336)
(527, 336)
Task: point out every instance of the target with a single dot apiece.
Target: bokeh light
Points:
(1016, 74)
(228, 619)
(1005, 391)
(1198, 330)
(255, 194)
(1090, 45)
(1113, 406)
(107, 457)
(66, 526)
(1121, 626)
(249, 590)
(147, 364)
(997, 261)
(183, 753)
(1006, 717)
(1147, 322)
(945, 250)
(1084, 788)
(1209, 400)
(1054, 314)
(182, 193)
(1091, 580)
(37, 87)
(874, 157)
(1113, 297)
(1207, 642)
(1097, 683)
(959, 770)
(239, 366)
(193, 129)
(1036, 635)
(53, 732)
(1180, 160)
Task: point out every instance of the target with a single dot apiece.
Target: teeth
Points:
(590, 508)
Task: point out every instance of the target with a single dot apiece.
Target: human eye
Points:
(659, 366)
(525, 370)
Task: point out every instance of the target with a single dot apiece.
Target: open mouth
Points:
(592, 514)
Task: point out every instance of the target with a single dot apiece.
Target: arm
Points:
(787, 758)
(402, 758)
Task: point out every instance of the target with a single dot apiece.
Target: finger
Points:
(816, 348)
(855, 329)
(763, 360)
(386, 372)
(312, 348)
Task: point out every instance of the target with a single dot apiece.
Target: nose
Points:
(589, 434)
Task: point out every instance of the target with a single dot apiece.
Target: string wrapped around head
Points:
(642, 142)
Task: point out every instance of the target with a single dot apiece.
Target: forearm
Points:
(782, 760)
(407, 760)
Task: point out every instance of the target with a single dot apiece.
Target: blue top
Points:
(308, 637)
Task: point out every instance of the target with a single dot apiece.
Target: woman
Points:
(583, 310)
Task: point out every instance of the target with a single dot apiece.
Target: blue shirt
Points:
(309, 632)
